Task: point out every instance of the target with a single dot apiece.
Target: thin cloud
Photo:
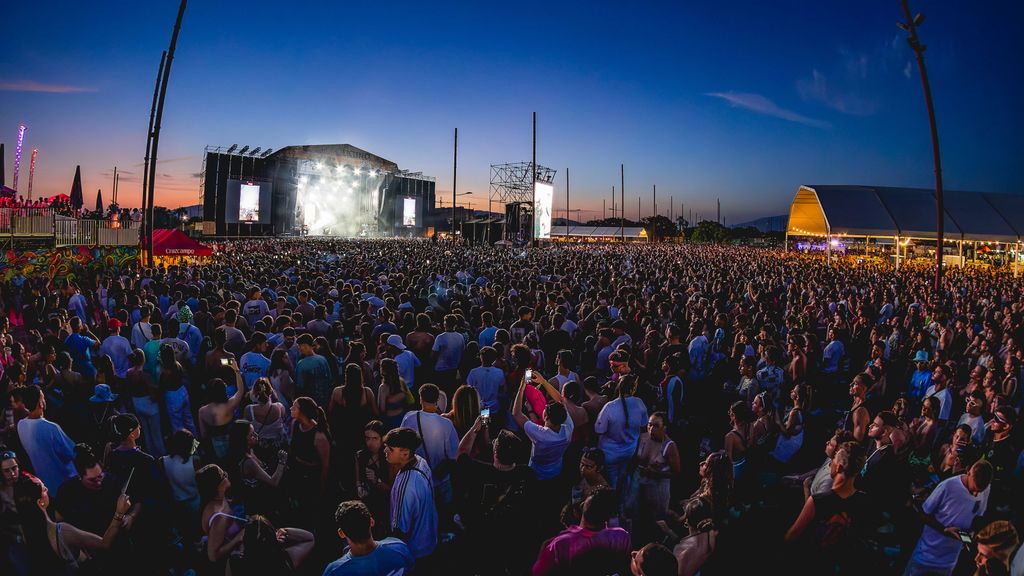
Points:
(33, 86)
(761, 105)
(818, 89)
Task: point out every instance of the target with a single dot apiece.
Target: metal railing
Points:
(39, 223)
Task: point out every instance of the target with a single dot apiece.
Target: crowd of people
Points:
(354, 407)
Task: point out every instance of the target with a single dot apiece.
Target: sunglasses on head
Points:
(7, 455)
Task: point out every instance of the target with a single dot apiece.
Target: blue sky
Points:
(737, 100)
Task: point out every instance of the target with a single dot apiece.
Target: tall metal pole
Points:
(567, 202)
(622, 192)
(533, 204)
(915, 44)
(613, 202)
(156, 126)
(655, 199)
(455, 177)
(143, 235)
(113, 188)
(718, 202)
(604, 208)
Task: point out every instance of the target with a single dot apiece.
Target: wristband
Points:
(119, 517)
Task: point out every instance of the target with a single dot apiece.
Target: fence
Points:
(41, 223)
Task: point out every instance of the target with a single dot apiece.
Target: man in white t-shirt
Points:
(550, 440)
(973, 418)
(952, 507)
(941, 393)
(440, 440)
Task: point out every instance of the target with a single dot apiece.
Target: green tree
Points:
(659, 227)
(710, 231)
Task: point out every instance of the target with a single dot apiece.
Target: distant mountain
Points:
(766, 224)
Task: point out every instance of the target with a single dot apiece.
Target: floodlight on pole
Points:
(910, 26)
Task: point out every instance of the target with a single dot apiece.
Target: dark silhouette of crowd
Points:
(339, 407)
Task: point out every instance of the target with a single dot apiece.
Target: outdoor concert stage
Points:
(316, 190)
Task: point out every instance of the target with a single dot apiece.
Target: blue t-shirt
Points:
(391, 557)
(253, 366)
(407, 365)
(488, 381)
(80, 348)
(449, 347)
(487, 336)
(313, 378)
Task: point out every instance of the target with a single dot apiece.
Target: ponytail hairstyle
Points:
(626, 388)
(309, 408)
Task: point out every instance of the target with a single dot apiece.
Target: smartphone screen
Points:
(529, 374)
(485, 413)
(224, 361)
(965, 537)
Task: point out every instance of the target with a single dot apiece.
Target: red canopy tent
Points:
(176, 243)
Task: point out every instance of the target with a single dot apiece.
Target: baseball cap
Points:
(113, 324)
(396, 341)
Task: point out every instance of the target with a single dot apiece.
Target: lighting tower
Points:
(17, 154)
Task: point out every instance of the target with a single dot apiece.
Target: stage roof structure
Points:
(613, 232)
(886, 212)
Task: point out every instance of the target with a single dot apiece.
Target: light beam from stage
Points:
(338, 200)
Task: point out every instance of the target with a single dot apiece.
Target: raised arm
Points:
(88, 541)
(551, 390)
(467, 441)
(517, 405)
(236, 400)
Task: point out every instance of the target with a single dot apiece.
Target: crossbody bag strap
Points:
(423, 443)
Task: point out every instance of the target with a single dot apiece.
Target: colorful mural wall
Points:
(71, 263)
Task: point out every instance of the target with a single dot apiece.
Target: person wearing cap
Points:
(117, 347)
(406, 360)
(921, 379)
(254, 364)
(312, 373)
(413, 514)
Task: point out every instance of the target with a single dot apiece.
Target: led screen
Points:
(542, 198)
(408, 212)
(249, 203)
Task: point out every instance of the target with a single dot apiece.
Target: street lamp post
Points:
(910, 26)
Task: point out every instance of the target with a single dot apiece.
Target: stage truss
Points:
(513, 182)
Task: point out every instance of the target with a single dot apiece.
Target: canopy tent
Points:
(176, 243)
(582, 231)
(905, 212)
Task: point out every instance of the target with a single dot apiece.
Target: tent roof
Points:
(175, 243)
(599, 231)
(910, 212)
